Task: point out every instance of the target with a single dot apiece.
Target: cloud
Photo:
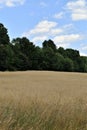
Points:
(48, 24)
(45, 30)
(45, 27)
(39, 38)
(58, 15)
(78, 9)
(11, 3)
(66, 40)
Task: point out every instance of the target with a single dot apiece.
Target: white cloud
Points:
(66, 40)
(78, 9)
(58, 15)
(55, 31)
(45, 27)
(39, 38)
(45, 30)
(46, 24)
(11, 3)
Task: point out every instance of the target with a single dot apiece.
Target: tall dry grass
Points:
(43, 101)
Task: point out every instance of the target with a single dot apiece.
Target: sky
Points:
(63, 21)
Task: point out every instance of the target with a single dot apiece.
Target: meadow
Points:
(43, 100)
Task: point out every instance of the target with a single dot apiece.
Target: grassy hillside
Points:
(43, 101)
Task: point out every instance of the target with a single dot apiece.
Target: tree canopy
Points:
(21, 54)
(4, 38)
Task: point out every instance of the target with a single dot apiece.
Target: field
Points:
(42, 100)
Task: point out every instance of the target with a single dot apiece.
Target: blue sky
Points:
(63, 21)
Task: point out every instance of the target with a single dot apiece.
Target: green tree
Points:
(24, 45)
(68, 65)
(6, 58)
(4, 38)
(83, 64)
(59, 62)
(49, 59)
(3, 57)
(10, 58)
(61, 50)
(25, 50)
(21, 62)
(73, 54)
(37, 58)
(50, 44)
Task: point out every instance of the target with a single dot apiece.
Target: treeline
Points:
(20, 54)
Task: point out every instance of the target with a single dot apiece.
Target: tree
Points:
(37, 59)
(24, 45)
(68, 65)
(59, 62)
(4, 38)
(49, 59)
(61, 50)
(10, 58)
(25, 50)
(73, 54)
(83, 64)
(75, 57)
(21, 54)
(6, 58)
(50, 44)
(21, 62)
(3, 57)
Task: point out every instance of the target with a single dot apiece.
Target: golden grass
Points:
(42, 100)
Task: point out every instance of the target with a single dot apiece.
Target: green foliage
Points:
(61, 51)
(68, 65)
(6, 58)
(49, 44)
(73, 54)
(4, 38)
(83, 64)
(37, 59)
(21, 54)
